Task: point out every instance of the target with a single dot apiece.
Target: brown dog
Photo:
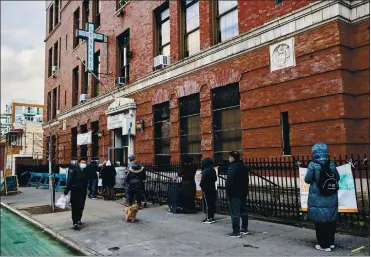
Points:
(131, 212)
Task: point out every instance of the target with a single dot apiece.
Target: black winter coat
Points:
(77, 181)
(208, 177)
(91, 171)
(237, 179)
(108, 176)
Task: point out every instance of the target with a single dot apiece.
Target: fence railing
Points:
(274, 188)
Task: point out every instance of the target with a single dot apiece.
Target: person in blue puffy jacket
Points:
(323, 210)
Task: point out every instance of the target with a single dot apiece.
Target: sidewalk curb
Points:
(84, 250)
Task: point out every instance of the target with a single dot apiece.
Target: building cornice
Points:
(306, 18)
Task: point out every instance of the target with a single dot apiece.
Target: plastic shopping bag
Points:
(62, 202)
(100, 182)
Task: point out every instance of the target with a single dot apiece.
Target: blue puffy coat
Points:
(320, 208)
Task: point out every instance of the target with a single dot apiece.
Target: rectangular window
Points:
(285, 128)
(97, 71)
(83, 148)
(76, 25)
(162, 133)
(49, 106)
(163, 29)
(65, 97)
(74, 143)
(97, 13)
(85, 87)
(191, 27)
(54, 112)
(50, 61)
(66, 41)
(190, 127)
(86, 10)
(75, 86)
(56, 15)
(59, 98)
(226, 121)
(95, 140)
(56, 54)
(227, 19)
(123, 43)
(59, 54)
(51, 18)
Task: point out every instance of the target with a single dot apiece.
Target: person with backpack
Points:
(323, 196)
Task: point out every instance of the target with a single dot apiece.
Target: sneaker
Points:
(79, 223)
(76, 227)
(205, 220)
(317, 247)
(244, 232)
(332, 246)
(210, 221)
(93, 198)
(238, 235)
(324, 249)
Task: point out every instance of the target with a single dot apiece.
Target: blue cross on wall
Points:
(91, 37)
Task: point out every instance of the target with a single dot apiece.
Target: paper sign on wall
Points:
(346, 193)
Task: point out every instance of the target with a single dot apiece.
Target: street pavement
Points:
(158, 232)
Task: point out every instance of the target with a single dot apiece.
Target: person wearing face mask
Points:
(77, 183)
(109, 180)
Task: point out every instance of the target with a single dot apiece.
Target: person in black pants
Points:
(188, 172)
(135, 181)
(237, 190)
(91, 172)
(207, 184)
(77, 184)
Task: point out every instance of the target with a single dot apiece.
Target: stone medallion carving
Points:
(282, 55)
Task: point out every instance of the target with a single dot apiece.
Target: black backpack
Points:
(327, 183)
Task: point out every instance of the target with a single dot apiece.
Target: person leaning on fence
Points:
(237, 190)
(109, 180)
(135, 181)
(207, 184)
(323, 198)
(77, 183)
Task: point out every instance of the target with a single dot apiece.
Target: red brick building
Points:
(268, 78)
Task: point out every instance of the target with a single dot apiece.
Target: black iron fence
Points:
(274, 188)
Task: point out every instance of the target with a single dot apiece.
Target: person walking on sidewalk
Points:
(237, 190)
(135, 181)
(77, 183)
(91, 172)
(207, 184)
(109, 180)
(323, 196)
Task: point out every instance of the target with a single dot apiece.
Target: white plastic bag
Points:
(100, 182)
(62, 202)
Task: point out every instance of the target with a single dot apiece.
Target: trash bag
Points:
(63, 202)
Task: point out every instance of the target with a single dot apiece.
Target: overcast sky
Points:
(22, 50)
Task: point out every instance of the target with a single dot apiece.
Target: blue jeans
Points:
(93, 188)
(238, 209)
(127, 193)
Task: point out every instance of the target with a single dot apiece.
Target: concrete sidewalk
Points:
(158, 232)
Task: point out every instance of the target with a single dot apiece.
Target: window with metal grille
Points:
(83, 148)
(190, 127)
(162, 133)
(227, 19)
(49, 106)
(285, 128)
(226, 121)
(76, 25)
(75, 86)
(74, 143)
(123, 60)
(163, 29)
(191, 27)
(97, 72)
(95, 140)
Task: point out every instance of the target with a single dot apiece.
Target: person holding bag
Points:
(323, 198)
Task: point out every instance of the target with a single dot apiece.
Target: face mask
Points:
(82, 165)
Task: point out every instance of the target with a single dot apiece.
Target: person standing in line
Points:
(188, 172)
(91, 172)
(207, 184)
(237, 191)
(135, 181)
(323, 178)
(109, 180)
(77, 183)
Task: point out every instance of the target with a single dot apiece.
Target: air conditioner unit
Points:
(54, 70)
(83, 98)
(161, 61)
(120, 81)
(58, 112)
